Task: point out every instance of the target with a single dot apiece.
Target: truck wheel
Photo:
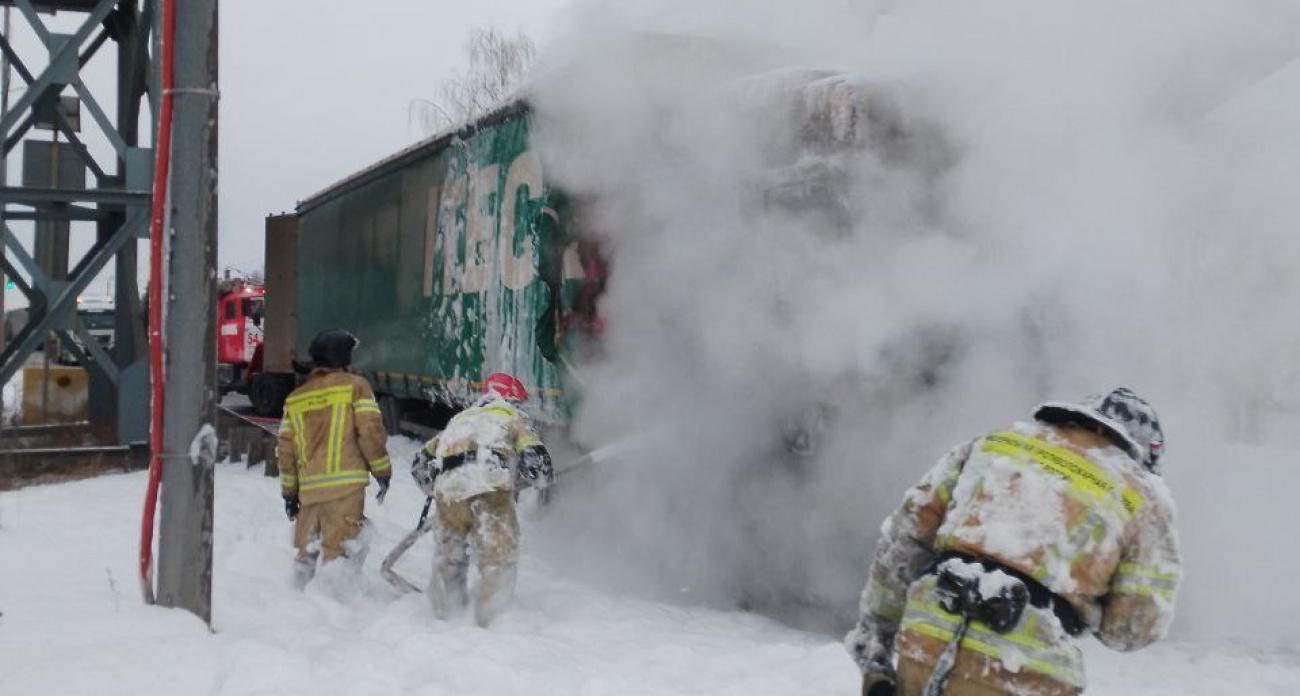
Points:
(267, 391)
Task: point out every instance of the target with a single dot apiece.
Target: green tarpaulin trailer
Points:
(450, 260)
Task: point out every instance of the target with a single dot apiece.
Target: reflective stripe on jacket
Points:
(1036, 644)
(1060, 504)
(332, 437)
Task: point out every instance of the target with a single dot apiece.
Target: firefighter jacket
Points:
(1059, 504)
(332, 438)
(486, 440)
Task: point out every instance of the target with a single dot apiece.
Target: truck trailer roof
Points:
(413, 153)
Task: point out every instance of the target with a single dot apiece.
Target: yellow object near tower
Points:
(62, 398)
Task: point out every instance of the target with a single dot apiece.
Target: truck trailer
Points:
(450, 260)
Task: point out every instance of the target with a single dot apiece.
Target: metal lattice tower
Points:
(117, 201)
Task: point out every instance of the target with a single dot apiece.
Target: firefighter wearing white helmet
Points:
(470, 469)
(1016, 545)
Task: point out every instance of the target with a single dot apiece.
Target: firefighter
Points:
(332, 440)
(1015, 545)
(471, 469)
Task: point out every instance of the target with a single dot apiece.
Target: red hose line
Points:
(161, 173)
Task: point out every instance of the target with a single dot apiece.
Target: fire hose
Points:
(427, 522)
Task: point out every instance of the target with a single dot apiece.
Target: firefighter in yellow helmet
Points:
(470, 469)
(1013, 547)
(332, 440)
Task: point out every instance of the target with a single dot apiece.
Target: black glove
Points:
(535, 466)
(424, 471)
(877, 684)
(870, 645)
(383, 488)
(291, 507)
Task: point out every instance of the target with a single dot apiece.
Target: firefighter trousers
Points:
(324, 529)
(487, 527)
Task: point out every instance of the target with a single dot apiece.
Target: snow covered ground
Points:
(72, 621)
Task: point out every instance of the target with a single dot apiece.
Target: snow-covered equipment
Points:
(421, 528)
(974, 593)
(1128, 419)
(993, 598)
(424, 470)
(535, 468)
(943, 667)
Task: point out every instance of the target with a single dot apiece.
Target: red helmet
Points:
(507, 386)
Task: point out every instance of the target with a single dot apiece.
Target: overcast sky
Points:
(313, 90)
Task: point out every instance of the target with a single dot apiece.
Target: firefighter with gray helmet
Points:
(331, 441)
(471, 469)
(1015, 545)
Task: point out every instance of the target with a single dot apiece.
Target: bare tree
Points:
(498, 66)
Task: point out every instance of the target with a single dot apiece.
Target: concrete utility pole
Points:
(185, 545)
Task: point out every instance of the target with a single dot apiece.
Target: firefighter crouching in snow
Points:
(470, 469)
(332, 439)
(1021, 541)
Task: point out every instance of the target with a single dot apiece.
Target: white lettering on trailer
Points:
(469, 207)
(451, 230)
(431, 237)
(481, 228)
(518, 271)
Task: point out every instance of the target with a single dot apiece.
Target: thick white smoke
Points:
(846, 235)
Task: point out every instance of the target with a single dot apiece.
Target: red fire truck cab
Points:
(239, 333)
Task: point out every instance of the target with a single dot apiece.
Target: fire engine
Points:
(240, 311)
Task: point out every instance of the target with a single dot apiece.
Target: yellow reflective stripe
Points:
(286, 425)
(381, 464)
(1141, 590)
(1146, 572)
(288, 479)
(945, 493)
(528, 440)
(368, 409)
(317, 399)
(1038, 656)
(300, 438)
(366, 406)
(972, 643)
(1082, 474)
(927, 611)
(503, 410)
(884, 601)
(346, 478)
(1145, 581)
(334, 446)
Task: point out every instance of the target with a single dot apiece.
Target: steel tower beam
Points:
(118, 202)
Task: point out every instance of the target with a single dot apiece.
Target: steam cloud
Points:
(807, 307)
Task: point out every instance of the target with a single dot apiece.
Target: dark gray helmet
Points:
(332, 348)
(1128, 418)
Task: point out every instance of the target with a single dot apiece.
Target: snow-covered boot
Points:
(495, 589)
(304, 569)
(447, 590)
